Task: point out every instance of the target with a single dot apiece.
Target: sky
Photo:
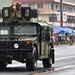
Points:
(5, 3)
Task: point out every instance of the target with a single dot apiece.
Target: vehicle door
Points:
(45, 40)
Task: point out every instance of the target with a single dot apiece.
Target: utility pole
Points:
(61, 13)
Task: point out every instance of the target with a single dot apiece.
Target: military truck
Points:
(23, 40)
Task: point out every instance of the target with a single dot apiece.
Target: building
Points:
(5, 3)
(49, 10)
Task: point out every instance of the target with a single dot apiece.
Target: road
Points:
(64, 64)
(64, 61)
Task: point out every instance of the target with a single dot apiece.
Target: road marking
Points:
(18, 64)
(56, 69)
(65, 57)
(65, 53)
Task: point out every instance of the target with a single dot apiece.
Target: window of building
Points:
(40, 5)
(49, 6)
(74, 9)
(71, 9)
(56, 6)
(70, 19)
(31, 5)
(63, 7)
(68, 8)
(74, 19)
(52, 18)
(52, 7)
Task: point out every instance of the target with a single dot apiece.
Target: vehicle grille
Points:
(3, 45)
(10, 45)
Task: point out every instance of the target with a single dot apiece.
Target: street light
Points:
(61, 14)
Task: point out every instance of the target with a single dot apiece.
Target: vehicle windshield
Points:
(25, 30)
(18, 30)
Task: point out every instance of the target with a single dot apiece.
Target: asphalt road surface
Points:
(64, 64)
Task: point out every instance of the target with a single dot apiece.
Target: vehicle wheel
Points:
(47, 62)
(3, 65)
(31, 61)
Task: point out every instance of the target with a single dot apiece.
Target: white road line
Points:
(60, 53)
(65, 58)
(18, 64)
(64, 67)
(55, 70)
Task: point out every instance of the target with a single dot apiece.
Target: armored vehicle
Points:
(25, 41)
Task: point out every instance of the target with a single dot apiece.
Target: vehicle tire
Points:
(47, 62)
(31, 61)
(3, 65)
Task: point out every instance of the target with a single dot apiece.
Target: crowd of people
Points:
(63, 38)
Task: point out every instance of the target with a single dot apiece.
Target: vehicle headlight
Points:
(16, 45)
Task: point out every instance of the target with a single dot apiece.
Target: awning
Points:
(57, 29)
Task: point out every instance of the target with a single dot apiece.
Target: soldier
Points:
(15, 10)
